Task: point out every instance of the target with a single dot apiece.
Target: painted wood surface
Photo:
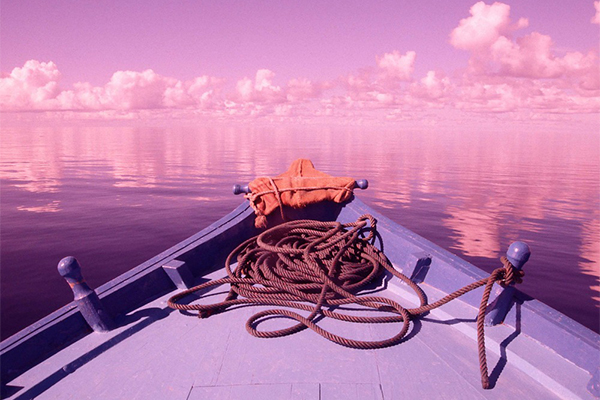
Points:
(160, 353)
(157, 353)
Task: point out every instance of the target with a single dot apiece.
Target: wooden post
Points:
(179, 273)
(518, 253)
(87, 300)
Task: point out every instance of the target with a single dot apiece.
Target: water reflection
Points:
(476, 234)
(51, 207)
(590, 249)
(119, 195)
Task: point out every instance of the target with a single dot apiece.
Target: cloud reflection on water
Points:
(472, 193)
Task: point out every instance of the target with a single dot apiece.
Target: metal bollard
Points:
(518, 253)
(87, 300)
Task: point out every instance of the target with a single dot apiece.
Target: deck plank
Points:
(508, 350)
(296, 391)
(160, 353)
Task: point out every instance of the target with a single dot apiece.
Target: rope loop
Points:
(320, 267)
(512, 274)
(312, 266)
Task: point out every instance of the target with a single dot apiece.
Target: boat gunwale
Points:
(542, 317)
(476, 273)
(69, 313)
(132, 274)
(540, 313)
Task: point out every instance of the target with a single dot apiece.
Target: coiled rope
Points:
(319, 266)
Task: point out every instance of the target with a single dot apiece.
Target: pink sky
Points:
(419, 63)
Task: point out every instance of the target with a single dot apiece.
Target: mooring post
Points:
(86, 299)
(518, 253)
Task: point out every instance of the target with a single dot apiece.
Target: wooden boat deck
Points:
(161, 353)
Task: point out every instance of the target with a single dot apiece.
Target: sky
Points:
(384, 62)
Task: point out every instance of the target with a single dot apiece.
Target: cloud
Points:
(261, 90)
(381, 86)
(532, 56)
(596, 17)
(130, 90)
(397, 66)
(506, 74)
(33, 86)
(486, 34)
(500, 95)
(299, 90)
(433, 86)
(486, 24)
(492, 96)
(357, 83)
(260, 97)
(202, 92)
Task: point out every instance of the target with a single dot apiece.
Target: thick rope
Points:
(318, 267)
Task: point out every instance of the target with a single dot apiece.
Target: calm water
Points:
(114, 197)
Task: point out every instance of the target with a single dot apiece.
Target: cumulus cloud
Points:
(200, 92)
(261, 97)
(500, 95)
(486, 24)
(507, 73)
(531, 56)
(130, 90)
(379, 86)
(298, 90)
(34, 86)
(486, 34)
(397, 66)
(283, 110)
(433, 86)
(596, 17)
(490, 96)
(264, 81)
(261, 90)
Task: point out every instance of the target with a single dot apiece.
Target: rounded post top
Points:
(518, 253)
(88, 303)
(69, 267)
(362, 184)
(239, 189)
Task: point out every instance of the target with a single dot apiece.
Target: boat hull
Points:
(547, 352)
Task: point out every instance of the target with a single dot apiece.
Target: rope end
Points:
(485, 382)
(260, 221)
